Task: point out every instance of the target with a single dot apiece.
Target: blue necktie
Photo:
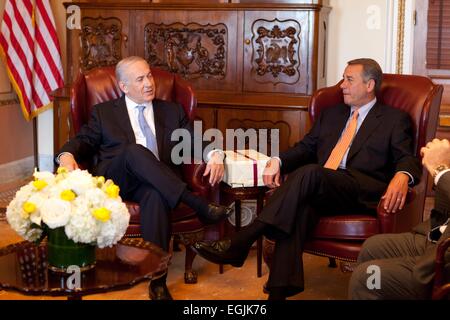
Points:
(148, 133)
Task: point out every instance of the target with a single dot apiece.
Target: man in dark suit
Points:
(131, 139)
(353, 154)
(405, 261)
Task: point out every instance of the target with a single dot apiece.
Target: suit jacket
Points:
(424, 270)
(109, 131)
(382, 146)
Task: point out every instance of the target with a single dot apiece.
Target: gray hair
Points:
(123, 65)
(371, 70)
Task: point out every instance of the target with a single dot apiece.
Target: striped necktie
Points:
(148, 133)
(343, 144)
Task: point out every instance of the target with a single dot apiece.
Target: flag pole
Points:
(35, 143)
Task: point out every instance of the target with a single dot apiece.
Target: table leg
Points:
(221, 236)
(237, 214)
(259, 205)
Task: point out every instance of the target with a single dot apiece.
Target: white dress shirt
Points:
(133, 113)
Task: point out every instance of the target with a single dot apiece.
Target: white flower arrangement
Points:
(89, 208)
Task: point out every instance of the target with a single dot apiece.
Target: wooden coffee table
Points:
(24, 268)
(229, 195)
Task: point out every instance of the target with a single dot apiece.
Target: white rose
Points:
(55, 212)
(38, 199)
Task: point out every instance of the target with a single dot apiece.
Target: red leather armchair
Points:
(340, 237)
(99, 85)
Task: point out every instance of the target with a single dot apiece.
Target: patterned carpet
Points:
(7, 193)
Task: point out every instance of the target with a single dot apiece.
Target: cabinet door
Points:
(101, 41)
(277, 51)
(198, 45)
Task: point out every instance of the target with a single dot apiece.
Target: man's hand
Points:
(215, 168)
(436, 153)
(67, 161)
(271, 174)
(395, 196)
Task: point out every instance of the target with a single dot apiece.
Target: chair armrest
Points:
(440, 288)
(390, 221)
(193, 176)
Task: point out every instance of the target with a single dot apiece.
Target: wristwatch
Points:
(439, 168)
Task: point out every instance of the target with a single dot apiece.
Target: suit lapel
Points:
(123, 118)
(158, 114)
(371, 122)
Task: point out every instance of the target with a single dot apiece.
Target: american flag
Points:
(30, 50)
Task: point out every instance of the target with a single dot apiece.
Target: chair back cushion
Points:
(100, 85)
(415, 95)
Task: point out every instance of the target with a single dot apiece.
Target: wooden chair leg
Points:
(190, 276)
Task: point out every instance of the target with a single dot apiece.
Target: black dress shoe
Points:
(159, 292)
(215, 214)
(221, 252)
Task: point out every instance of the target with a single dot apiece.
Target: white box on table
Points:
(244, 168)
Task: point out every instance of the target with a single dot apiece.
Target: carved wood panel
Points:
(205, 45)
(276, 52)
(192, 50)
(101, 41)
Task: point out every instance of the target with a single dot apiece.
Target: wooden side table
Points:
(229, 195)
(129, 262)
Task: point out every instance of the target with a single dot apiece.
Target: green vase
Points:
(63, 252)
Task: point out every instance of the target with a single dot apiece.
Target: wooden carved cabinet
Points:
(253, 64)
(101, 41)
(275, 53)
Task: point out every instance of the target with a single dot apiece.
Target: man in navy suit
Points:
(130, 138)
(355, 153)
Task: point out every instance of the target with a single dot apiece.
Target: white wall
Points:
(357, 29)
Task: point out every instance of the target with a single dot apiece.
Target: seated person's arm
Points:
(407, 166)
(83, 146)
(436, 158)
